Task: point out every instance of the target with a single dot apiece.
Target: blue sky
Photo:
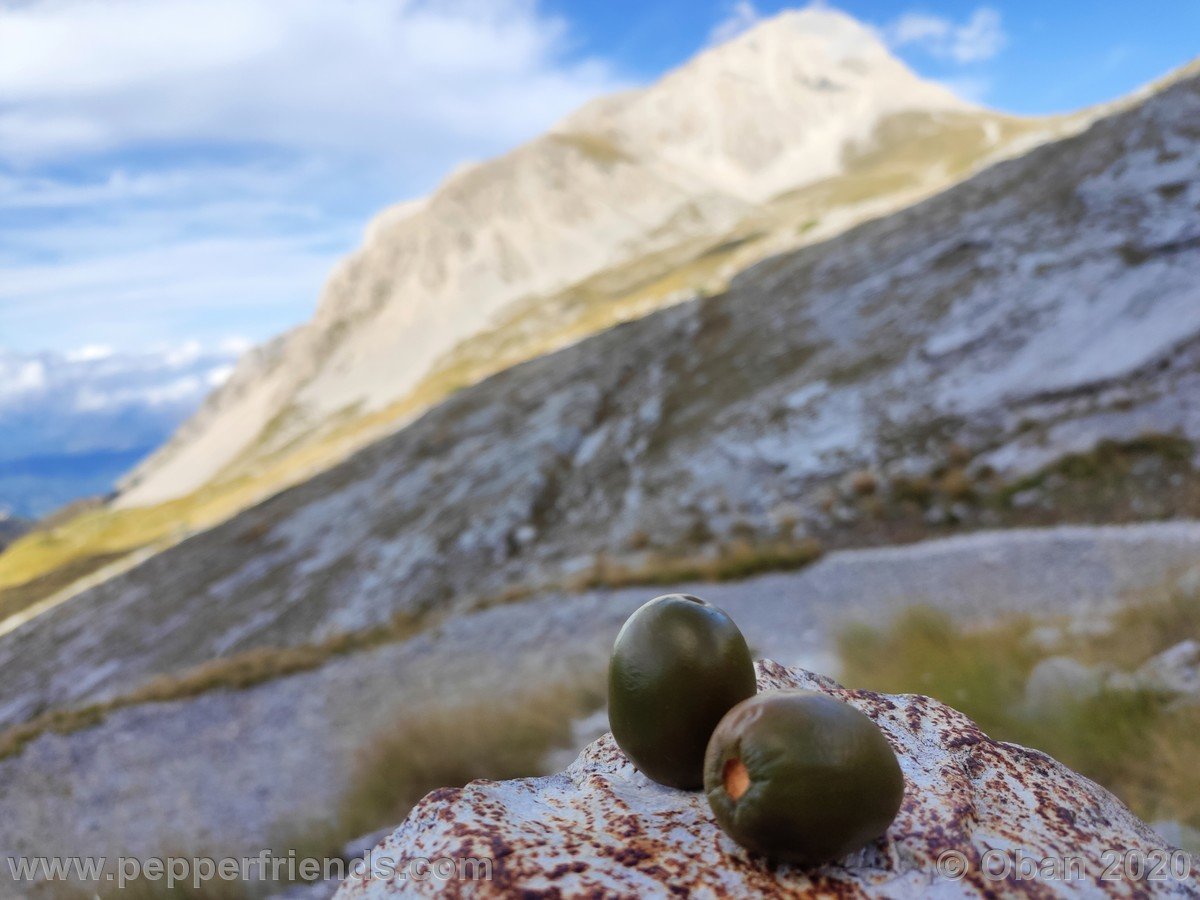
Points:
(1053, 56)
(190, 170)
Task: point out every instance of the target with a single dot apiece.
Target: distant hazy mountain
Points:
(10, 529)
(789, 133)
(73, 423)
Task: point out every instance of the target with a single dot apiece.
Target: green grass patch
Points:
(1139, 744)
(1141, 629)
(1109, 461)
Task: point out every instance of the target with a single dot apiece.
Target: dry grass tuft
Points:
(1133, 741)
(916, 489)
(429, 747)
(864, 483)
(734, 561)
(1107, 464)
(1144, 627)
(237, 672)
(926, 651)
(956, 485)
(489, 737)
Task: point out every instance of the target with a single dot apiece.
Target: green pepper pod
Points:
(678, 665)
(801, 777)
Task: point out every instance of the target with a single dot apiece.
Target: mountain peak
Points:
(769, 110)
(815, 39)
(836, 28)
(629, 178)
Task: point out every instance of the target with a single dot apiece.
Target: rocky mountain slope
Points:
(1048, 306)
(633, 188)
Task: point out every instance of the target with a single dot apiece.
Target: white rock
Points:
(1026, 498)
(1174, 671)
(1189, 584)
(602, 829)
(1058, 682)
(1046, 637)
(1178, 834)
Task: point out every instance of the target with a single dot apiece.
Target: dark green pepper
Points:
(801, 777)
(679, 664)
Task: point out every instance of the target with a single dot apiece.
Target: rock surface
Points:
(1059, 681)
(1175, 671)
(602, 829)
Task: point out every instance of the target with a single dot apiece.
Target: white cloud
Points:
(221, 155)
(218, 376)
(91, 400)
(120, 186)
(180, 392)
(81, 76)
(45, 391)
(177, 391)
(740, 17)
(183, 355)
(102, 412)
(30, 376)
(979, 38)
(144, 280)
(982, 37)
(916, 28)
(89, 353)
(235, 345)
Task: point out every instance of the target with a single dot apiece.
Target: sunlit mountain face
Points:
(72, 423)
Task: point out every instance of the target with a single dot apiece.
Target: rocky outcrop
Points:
(974, 808)
(1174, 672)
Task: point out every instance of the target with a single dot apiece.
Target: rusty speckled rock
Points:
(603, 829)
